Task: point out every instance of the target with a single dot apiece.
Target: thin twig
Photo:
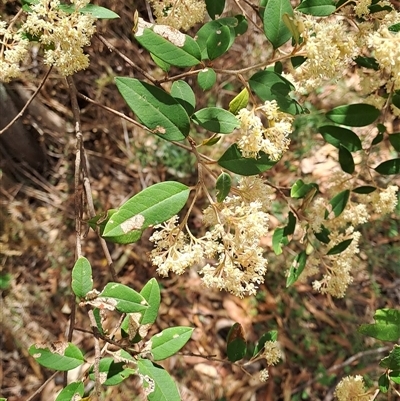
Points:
(125, 58)
(21, 113)
(40, 389)
(97, 355)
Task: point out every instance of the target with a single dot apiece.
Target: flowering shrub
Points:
(311, 45)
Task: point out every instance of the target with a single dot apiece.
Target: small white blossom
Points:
(351, 388)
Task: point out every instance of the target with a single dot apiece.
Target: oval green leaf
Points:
(317, 8)
(71, 391)
(300, 189)
(389, 167)
(338, 203)
(236, 346)
(210, 28)
(219, 42)
(269, 85)
(123, 298)
(233, 161)
(215, 8)
(239, 102)
(184, 52)
(169, 341)
(365, 189)
(152, 206)
(339, 248)
(354, 115)
(394, 140)
(165, 388)
(151, 293)
(206, 78)
(296, 268)
(339, 136)
(96, 11)
(274, 28)
(155, 108)
(223, 186)
(82, 280)
(112, 372)
(346, 160)
(270, 336)
(183, 93)
(217, 120)
(60, 355)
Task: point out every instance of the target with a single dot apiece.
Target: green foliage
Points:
(386, 326)
(223, 186)
(206, 78)
(82, 281)
(71, 391)
(236, 343)
(135, 215)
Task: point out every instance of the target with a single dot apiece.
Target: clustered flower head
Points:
(13, 50)
(232, 242)
(337, 267)
(179, 14)
(351, 388)
(65, 34)
(255, 138)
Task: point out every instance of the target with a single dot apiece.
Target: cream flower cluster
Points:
(337, 267)
(64, 34)
(351, 388)
(13, 50)
(179, 14)
(232, 241)
(329, 46)
(255, 138)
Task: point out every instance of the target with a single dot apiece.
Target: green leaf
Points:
(270, 336)
(377, 139)
(317, 8)
(215, 8)
(122, 298)
(5, 281)
(155, 108)
(183, 93)
(217, 120)
(395, 376)
(152, 206)
(297, 61)
(296, 268)
(183, 52)
(300, 189)
(365, 189)
(113, 372)
(82, 281)
(279, 239)
(165, 388)
(291, 225)
(242, 25)
(71, 392)
(392, 361)
(151, 293)
(206, 78)
(239, 102)
(394, 140)
(210, 29)
(274, 28)
(236, 343)
(383, 383)
(268, 85)
(338, 203)
(346, 160)
(219, 42)
(338, 136)
(323, 235)
(169, 341)
(367, 62)
(96, 11)
(60, 355)
(233, 161)
(99, 319)
(161, 63)
(101, 220)
(396, 99)
(386, 326)
(394, 28)
(389, 167)
(223, 186)
(354, 115)
(339, 248)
